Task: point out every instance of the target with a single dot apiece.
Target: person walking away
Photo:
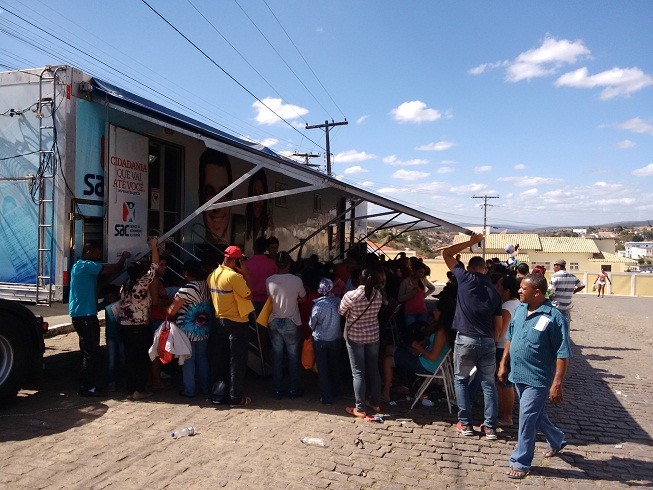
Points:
(600, 282)
(135, 302)
(508, 288)
(536, 355)
(325, 324)
(82, 308)
(360, 307)
(193, 310)
(563, 286)
(286, 292)
(477, 317)
(231, 296)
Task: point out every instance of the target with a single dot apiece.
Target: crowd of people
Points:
(506, 335)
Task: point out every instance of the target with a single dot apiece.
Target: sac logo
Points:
(128, 212)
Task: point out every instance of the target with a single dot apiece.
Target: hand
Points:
(555, 394)
(502, 373)
(125, 255)
(152, 242)
(476, 238)
(416, 346)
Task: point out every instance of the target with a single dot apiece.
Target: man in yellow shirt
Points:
(232, 302)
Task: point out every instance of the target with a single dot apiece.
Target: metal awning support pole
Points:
(393, 237)
(375, 230)
(269, 195)
(302, 241)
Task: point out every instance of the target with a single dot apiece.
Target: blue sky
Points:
(548, 105)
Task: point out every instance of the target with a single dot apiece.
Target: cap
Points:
(284, 258)
(560, 262)
(325, 287)
(233, 252)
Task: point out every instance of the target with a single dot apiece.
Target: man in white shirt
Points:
(286, 291)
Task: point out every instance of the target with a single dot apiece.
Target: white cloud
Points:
(520, 166)
(615, 82)
(637, 125)
(415, 111)
(546, 60)
(624, 201)
(439, 146)
(356, 169)
(482, 169)
(482, 68)
(286, 111)
(409, 175)
(449, 162)
(392, 190)
(605, 186)
(366, 184)
(395, 162)
(530, 192)
(644, 171)
(361, 119)
(468, 189)
(352, 156)
(269, 142)
(530, 181)
(624, 144)
(445, 170)
(429, 187)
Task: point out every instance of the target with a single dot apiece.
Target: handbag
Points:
(308, 354)
(164, 356)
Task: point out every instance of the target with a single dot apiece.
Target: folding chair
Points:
(444, 372)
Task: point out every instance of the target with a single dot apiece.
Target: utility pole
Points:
(485, 205)
(306, 157)
(327, 126)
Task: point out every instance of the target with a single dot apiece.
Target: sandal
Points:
(355, 413)
(516, 474)
(244, 401)
(554, 452)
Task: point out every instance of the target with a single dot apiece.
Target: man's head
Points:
(476, 264)
(193, 270)
(232, 254)
(533, 290)
(273, 246)
(559, 264)
(260, 245)
(284, 260)
(92, 251)
(522, 269)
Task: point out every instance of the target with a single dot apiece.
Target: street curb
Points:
(63, 328)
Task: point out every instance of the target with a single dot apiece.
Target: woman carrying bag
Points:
(360, 308)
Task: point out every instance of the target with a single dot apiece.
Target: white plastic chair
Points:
(444, 372)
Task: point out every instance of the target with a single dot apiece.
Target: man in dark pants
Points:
(82, 308)
(231, 296)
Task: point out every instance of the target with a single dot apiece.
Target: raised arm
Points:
(449, 253)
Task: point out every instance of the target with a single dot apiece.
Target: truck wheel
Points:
(13, 357)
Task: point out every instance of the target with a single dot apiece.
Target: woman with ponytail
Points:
(360, 308)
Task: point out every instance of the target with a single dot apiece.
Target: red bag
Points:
(164, 356)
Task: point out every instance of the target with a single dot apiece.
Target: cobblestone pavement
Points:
(52, 438)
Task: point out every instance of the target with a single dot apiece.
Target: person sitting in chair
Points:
(422, 357)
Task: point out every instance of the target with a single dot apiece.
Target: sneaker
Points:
(141, 395)
(465, 430)
(490, 434)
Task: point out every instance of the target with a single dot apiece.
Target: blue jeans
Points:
(480, 352)
(411, 318)
(327, 357)
(115, 359)
(364, 360)
(284, 335)
(199, 361)
(532, 416)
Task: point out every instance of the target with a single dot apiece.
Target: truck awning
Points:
(401, 215)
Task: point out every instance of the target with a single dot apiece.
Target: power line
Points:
(282, 58)
(302, 57)
(244, 58)
(224, 71)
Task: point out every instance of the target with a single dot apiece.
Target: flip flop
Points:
(554, 452)
(516, 474)
(355, 413)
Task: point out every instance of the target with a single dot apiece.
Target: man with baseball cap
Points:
(563, 285)
(232, 301)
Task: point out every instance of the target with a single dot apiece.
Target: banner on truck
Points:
(127, 192)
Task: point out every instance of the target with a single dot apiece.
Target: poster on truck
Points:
(127, 192)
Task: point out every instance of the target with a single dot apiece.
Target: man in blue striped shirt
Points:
(537, 350)
(563, 286)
